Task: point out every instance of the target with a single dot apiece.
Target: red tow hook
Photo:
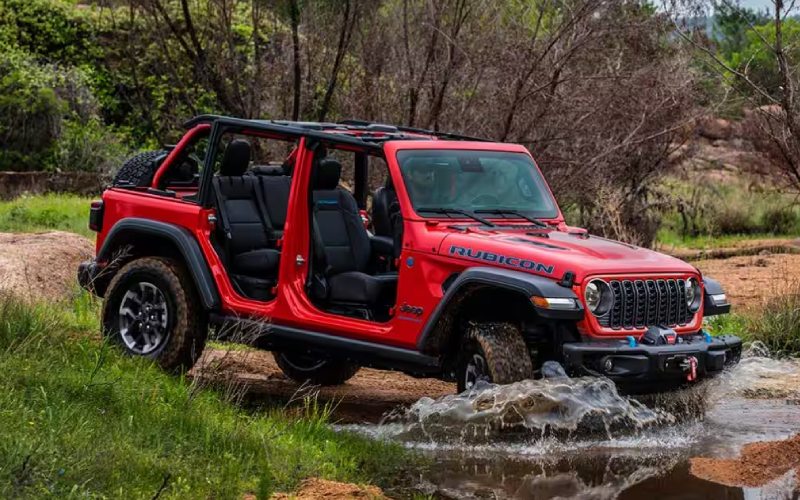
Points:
(692, 369)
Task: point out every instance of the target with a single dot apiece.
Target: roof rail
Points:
(414, 130)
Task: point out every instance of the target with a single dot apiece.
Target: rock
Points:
(41, 266)
(715, 128)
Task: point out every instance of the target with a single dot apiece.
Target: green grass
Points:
(78, 419)
(46, 213)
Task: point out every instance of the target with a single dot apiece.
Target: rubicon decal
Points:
(495, 258)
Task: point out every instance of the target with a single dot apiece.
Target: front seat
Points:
(247, 231)
(346, 246)
(386, 219)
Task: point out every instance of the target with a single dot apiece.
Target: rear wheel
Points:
(315, 370)
(152, 310)
(492, 352)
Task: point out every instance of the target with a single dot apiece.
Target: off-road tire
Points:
(502, 347)
(187, 326)
(324, 372)
(139, 169)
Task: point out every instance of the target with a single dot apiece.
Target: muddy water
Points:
(578, 438)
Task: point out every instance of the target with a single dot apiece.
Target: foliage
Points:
(81, 420)
(51, 30)
(88, 146)
(31, 112)
(703, 210)
(759, 61)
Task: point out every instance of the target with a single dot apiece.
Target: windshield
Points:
(475, 181)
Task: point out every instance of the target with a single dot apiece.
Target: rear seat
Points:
(275, 184)
(248, 238)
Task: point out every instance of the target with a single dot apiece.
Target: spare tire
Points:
(138, 171)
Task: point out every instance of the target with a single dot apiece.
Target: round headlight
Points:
(693, 294)
(598, 297)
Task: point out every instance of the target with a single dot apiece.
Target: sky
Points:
(755, 4)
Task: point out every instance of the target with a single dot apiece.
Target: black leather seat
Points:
(275, 184)
(247, 231)
(347, 247)
(386, 219)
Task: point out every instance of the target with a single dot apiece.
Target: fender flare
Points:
(711, 308)
(183, 240)
(474, 278)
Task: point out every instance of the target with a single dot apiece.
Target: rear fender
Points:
(133, 231)
(442, 327)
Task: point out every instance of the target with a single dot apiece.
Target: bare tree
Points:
(774, 127)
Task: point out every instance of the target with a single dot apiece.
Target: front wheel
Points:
(492, 352)
(315, 370)
(151, 310)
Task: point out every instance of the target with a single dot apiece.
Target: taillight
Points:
(96, 216)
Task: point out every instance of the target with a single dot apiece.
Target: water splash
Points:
(561, 407)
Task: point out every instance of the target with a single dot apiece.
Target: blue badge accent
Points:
(410, 262)
(327, 202)
(632, 341)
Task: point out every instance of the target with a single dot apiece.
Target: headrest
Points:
(271, 170)
(236, 158)
(327, 175)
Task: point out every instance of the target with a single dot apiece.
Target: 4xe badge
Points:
(413, 310)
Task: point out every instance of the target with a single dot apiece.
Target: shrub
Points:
(732, 217)
(779, 220)
(778, 326)
(88, 146)
(31, 112)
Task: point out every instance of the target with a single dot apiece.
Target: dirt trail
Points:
(758, 464)
(750, 280)
(364, 398)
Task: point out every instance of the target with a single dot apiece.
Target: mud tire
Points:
(187, 323)
(503, 350)
(303, 369)
(139, 169)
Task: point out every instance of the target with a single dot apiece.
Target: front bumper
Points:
(628, 363)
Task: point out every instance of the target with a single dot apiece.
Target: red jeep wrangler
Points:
(390, 247)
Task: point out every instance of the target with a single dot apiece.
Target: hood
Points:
(552, 252)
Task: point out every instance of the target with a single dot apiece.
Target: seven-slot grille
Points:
(640, 303)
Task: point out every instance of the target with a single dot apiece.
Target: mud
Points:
(759, 464)
(314, 488)
(41, 266)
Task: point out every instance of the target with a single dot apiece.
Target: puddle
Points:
(578, 438)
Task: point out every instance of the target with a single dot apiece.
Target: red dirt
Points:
(314, 488)
(758, 464)
(749, 280)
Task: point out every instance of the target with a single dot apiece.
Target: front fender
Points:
(437, 331)
(713, 307)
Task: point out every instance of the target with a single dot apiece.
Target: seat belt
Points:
(223, 215)
(269, 229)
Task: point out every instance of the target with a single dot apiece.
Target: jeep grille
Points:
(641, 303)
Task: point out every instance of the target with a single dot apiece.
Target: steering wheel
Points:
(485, 199)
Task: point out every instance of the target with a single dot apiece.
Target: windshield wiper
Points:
(511, 211)
(442, 210)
